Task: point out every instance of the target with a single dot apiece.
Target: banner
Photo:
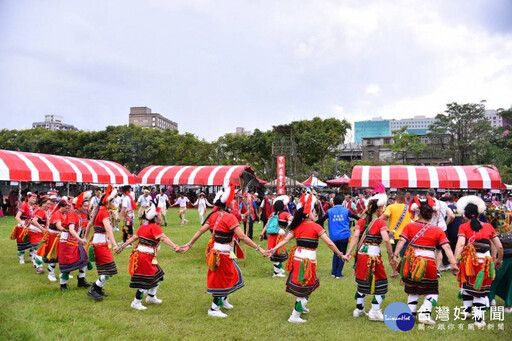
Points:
(281, 177)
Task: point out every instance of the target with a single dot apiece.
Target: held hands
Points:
(267, 253)
(117, 249)
(261, 237)
(346, 257)
(183, 248)
(498, 264)
(454, 268)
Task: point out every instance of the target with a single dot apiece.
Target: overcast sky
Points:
(212, 66)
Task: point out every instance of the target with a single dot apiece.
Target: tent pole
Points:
(19, 194)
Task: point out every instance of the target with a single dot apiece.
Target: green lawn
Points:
(34, 309)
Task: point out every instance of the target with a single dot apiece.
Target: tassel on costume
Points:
(90, 252)
(14, 233)
(134, 262)
(479, 280)
(289, 264)
(54, 250)
(213, 260)
(24, 234)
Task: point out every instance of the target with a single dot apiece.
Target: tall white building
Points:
(53, 122)
(494, 118)
(418, 125)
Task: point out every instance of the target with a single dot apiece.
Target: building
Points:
(53, 122)
(373, 128)
(494, 118)
(418, 125)
(242, 131)
(142, 116)
(350, 152)
(378, 149)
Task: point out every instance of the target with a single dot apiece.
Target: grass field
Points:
(34, 309)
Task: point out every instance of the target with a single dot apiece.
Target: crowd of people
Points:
(424, 235)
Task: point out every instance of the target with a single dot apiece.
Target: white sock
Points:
(81, 272)
(377, 300)
(412, 302)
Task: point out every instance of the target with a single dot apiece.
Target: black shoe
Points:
(103, 293)
(64, 287)
(94, 292)
(82, 283)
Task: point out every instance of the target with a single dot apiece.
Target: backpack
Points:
(273, 225)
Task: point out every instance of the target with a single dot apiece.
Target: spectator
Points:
(339, 232)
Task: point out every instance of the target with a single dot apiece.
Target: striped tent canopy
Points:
(446, 177)
(23, 166)
(195, 175)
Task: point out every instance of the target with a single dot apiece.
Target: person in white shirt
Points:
(162, 201)
(128, 206)
(442, 216)
(144, 201)
(508, 204)
(182, 201)
(115, 212)
(201, 204)
(95, 200)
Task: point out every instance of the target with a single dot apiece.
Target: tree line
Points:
(460, 133)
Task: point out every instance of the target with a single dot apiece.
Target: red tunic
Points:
(72, 255)
(468, 280)
(303, 256)
(26, 214)
(145, 274)
(226, 277)
(36, 236)
(419, 255)
(369, 270)
(53, 239)
(102, 254)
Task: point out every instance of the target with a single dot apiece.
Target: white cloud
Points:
(373, 89)
(212, 66)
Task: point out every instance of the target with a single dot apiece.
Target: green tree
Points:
(316, 139)
(405, 143)
(468, 128)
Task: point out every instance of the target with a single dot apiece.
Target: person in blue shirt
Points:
(339, 231)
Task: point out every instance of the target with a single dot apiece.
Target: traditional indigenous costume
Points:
(418, 267)
(144, 270)
(20, 233)
(39, 238)
(476, 269)
(72, 255)
(48, 251)
(302, 280)
(369, 269)
(224, 276)
(99, 249)
(276, 235)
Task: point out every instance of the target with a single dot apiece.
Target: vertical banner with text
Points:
(281, 177)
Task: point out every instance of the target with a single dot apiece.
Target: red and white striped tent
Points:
(313, 181)
(446, 177)
(192, 175)
(23, 166)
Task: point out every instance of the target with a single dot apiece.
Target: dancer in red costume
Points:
(418, 267)
(224, 275)
(473, 251)
(370, 273)
(145, 272)
(102, 241)
(302, 280)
